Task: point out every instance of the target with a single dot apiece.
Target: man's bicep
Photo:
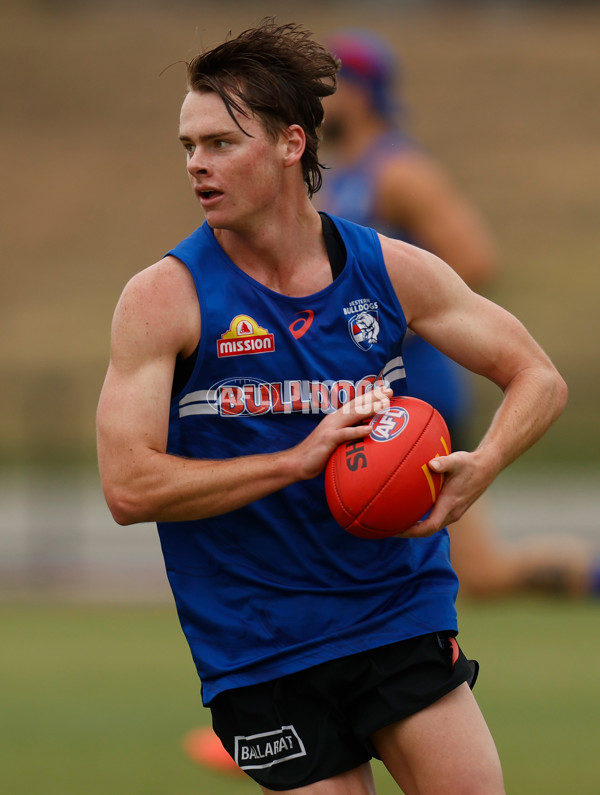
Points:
(482, 337)
(438, 305)
(133, 411)
(146, 338)
(132, 423)
(136, 403)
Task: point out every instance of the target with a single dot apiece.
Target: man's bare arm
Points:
(415, 193)
(490, 341)
(141, 481)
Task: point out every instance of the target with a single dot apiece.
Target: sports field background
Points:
(95, 700)
(96, 683)
(94, 184)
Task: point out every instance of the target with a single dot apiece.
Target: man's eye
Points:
(220, 144)
(189, 148)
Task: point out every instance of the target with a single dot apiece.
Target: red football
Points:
(381, 485)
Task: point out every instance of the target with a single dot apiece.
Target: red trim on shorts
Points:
(455, 650)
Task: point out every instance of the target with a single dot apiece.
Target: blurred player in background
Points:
(381, 177)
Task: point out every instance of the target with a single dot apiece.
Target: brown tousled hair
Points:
(278, 73)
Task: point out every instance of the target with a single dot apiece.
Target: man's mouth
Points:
(208, 195)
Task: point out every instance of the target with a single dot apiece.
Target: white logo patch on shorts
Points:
(268, 748)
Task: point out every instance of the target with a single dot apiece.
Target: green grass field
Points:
(95, 700)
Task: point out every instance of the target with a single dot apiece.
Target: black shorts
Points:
(317, 723)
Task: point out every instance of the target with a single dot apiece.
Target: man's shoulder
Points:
(158, 310)
(190, 249)
(161, 285)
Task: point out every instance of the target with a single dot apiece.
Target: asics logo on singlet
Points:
(242, 397)
(300, 326)
(268, 748)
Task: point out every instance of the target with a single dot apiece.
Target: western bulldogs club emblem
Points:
(388, 424)
(364, 329)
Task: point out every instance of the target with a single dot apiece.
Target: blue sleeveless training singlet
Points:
(352, 194)
(278, 586)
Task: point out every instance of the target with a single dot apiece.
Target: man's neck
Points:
(287, 255)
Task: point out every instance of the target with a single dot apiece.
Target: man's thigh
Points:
(358, 781)
(445, 747)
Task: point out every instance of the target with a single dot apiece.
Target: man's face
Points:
(347, 108)
(236, 174)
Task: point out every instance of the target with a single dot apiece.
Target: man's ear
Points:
(294, 140)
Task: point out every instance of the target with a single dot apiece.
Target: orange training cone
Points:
(205, 748)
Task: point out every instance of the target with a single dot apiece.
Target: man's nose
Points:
(197, 162)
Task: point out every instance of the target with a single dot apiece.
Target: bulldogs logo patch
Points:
(364, 329)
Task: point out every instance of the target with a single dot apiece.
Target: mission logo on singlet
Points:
(244, 336)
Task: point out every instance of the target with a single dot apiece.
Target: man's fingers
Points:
(365, 406)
